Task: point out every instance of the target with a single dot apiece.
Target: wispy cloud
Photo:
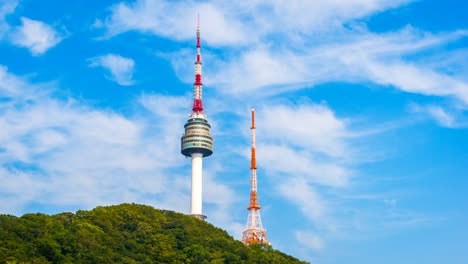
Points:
(310, 240)
(325, 137)
(306, 198)
(120, 68)
(6, 8)
(174, 20)
(35, 35)
(238, 23)
(449, 117)
(11, 85)
(300, 163)
(354, 57)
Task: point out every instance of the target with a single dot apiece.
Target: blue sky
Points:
(362, 112)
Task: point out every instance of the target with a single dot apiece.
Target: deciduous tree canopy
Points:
(126, 233)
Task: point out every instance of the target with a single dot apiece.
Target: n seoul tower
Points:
(197, 142)
(254, 232)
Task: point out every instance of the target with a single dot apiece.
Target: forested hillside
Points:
(126, 233)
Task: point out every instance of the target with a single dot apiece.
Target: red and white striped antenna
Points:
(198, 86)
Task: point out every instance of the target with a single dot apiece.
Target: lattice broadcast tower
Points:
(254, 232)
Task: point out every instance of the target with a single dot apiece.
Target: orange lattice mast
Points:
(254, 232)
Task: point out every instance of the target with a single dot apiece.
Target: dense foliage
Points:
(126, 233)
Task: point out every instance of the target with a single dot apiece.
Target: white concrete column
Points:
(196, 205)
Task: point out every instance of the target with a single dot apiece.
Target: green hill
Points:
(126, 233)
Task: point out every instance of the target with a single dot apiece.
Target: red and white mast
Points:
(197, 86)
(254, 232)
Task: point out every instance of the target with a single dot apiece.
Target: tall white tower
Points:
(197, 142)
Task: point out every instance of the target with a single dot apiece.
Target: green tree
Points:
(126, 233)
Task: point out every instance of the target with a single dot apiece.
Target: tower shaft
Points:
(196, 201)
(254, 232)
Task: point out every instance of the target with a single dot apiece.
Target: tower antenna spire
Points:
(197, 142)
(197, 86)
(254, 232)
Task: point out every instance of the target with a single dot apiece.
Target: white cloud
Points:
(288, 124)
(220, 199)
(441, 116)
(302, 164)
(175, 20)
(120, 68)
(238, 23)
(414, 79)
(260, 67)
(7, 7)
(381, 59)
(445, 117)
(306, 198)
(310, 240)
(11, 85)
(19, 188)
(353, 57)
(35, 35)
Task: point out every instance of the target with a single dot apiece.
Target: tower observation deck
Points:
(197, 142)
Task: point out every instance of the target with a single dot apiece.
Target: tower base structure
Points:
(199, 216)
(254, 232)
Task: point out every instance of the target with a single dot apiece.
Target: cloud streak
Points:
(170, 20)
(449, 117)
